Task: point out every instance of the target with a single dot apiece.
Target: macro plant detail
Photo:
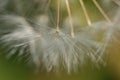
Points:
(47, 32)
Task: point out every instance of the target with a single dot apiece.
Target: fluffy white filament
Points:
(27, 31)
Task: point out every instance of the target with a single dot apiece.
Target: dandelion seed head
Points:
(53, 40)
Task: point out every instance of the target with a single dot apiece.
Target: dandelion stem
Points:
(70, 17)
(85, 12)
(58, 14)
(102, 11)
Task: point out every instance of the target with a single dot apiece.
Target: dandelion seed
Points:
(70, 17)
(67, 51)
(22, 36)
(109, 36)
(101, 11)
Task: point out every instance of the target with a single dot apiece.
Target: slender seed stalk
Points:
(116, 2)
(102, 11)
(85, 12)
(58, 15)
(70, 17)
